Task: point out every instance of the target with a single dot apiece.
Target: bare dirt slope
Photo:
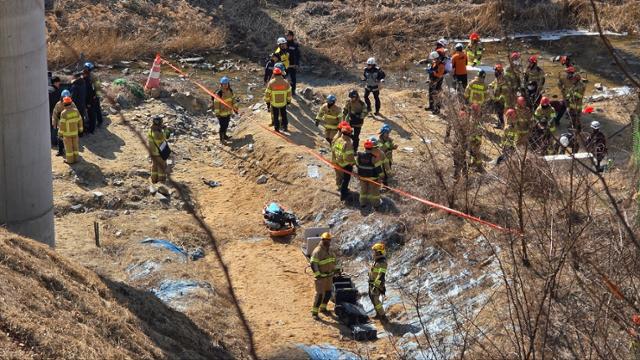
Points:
(53, 308)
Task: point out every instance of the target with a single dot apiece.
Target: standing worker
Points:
(355, 111)
(510, 136)
(574, 94)
(55, 95)
(514, 76)
(368, 172)
(476, 91)
(373, 78)
(502, 97)
(387, 145)
(436, 77)
(93, 103)
(323, 265)
(545, 112)
(535, 73)
(524, 118)
(377, 288)
(70, 126)
(283, 51)
(55, 120)
(330, 115)
(157, 136)
(268, 68)
(475, 138)
(79, 95)
(380, 160)
(343, 156)
(474, 50)
(224, 110)
(596, 144)
(459, 62)
(294, 60)
(278, 96)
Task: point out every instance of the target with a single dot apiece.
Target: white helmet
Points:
(443, 42)
(434, 55)
(459, 46)
(595, 125)
(371, 61)
(564, 141)
(282, 41)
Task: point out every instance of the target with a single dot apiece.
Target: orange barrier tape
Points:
(212, 94)
(331, 164)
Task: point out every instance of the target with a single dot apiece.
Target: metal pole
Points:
(26, 192)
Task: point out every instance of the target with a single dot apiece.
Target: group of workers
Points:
(324, 267)
(517, 98)
(73, 109)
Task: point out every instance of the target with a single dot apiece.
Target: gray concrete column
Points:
(26, 192)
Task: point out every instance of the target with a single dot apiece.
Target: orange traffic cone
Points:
(154, 77)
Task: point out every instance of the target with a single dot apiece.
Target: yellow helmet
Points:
(378, 247)
(325, 236)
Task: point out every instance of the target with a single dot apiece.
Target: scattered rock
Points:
(308, 93)
(598, 86)
(126, 71)
(152, 190)
(262, 179)
(192, 60)
(117, 182)
(122, 100)
(142, 173)
(77, 208)
(161, 198)
(250, 148)
(98, 195)
(211, 183)
(163, 190)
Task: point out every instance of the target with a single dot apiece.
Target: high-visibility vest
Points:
(278, 92)
(156, 137)
(284, 56)
(330, 115)
(340, 154)
(70, 122)
(477, 92)
(474, 52)
(377, 273)
(219, 108)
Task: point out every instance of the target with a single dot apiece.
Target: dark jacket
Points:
(54, 97)
(294, 52)
(79, 94)
(597, 144)
(372, 77)
(268, 70)
(91, 91)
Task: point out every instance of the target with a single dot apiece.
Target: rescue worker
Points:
(561, 106)
(573, 94)
(501, 96)
(79, 95)
(524, 120)
(355, 112)
(280, 66)
(283, 51)
(533, 95)
(55, 119)
(541, 138)
(380, 160)
(223, 112)
(367, 170)
(510, 136)
(377, 274)
(94, 91)
(567, 143)
(268, 68)
(514, 76)
(70, 126)
(343, 156)
(55, 95)
(323, 265)
(294, 60)
(157, 135)
(596, 144)
(373, 78)
(476, 91)
(278, 96)
(459, 62)
(461, 144)
(441, 44)
(330, 115)
(387, 145)
(474, 50)
(546, 112)
(436, 77)
(475, 138)
(534, 73)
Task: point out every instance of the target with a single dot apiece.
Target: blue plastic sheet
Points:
(194, 255)
(327, 352)
(172, 290)
(274, 208)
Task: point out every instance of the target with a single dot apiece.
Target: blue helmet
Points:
(374, 140)
(224, 80)
(65, 93)
(280, 66)
(89, 66)
(331, 99)
(385, 129)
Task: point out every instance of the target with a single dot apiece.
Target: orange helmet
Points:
(474, 36)
(475, 107)
(67, 100)
(368, 144)
(533, 59)
(571, 70)
(545, 101)
(511, 113)
(498, 67)
(522, 101)
(277, 71)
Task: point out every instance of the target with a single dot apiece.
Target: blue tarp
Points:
(274, 208)
(327, 352)
(172, 290)
(194, 255)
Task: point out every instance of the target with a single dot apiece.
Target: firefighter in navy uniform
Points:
(373, 78)
(355, 111)
(367, 170)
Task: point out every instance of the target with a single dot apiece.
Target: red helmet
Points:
(636, 319)
(277, 71)
(545, 101)
(474, 36)
(511, 113)
(515, 55)
(475, 107)
(533, 59)
(571, 70)
(346, 129)
(341, 124)
(498, 67)
(522, 101)
(368, 144)
(462, 113)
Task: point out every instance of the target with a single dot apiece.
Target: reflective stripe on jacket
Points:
(343, 152)
(476, 92)
(219, 108)
(278, 92)
(330, 115)
(323, 261)
(366, 165)
(70, 123)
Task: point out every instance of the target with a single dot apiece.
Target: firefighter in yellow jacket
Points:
(224, 110)
(157, 135)
(278, 96)
(343, 156)
(476, 91)
(387, 145)
(70, 126)
(377, 287)
(323, 265)
(331, 115)
(381, 161)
